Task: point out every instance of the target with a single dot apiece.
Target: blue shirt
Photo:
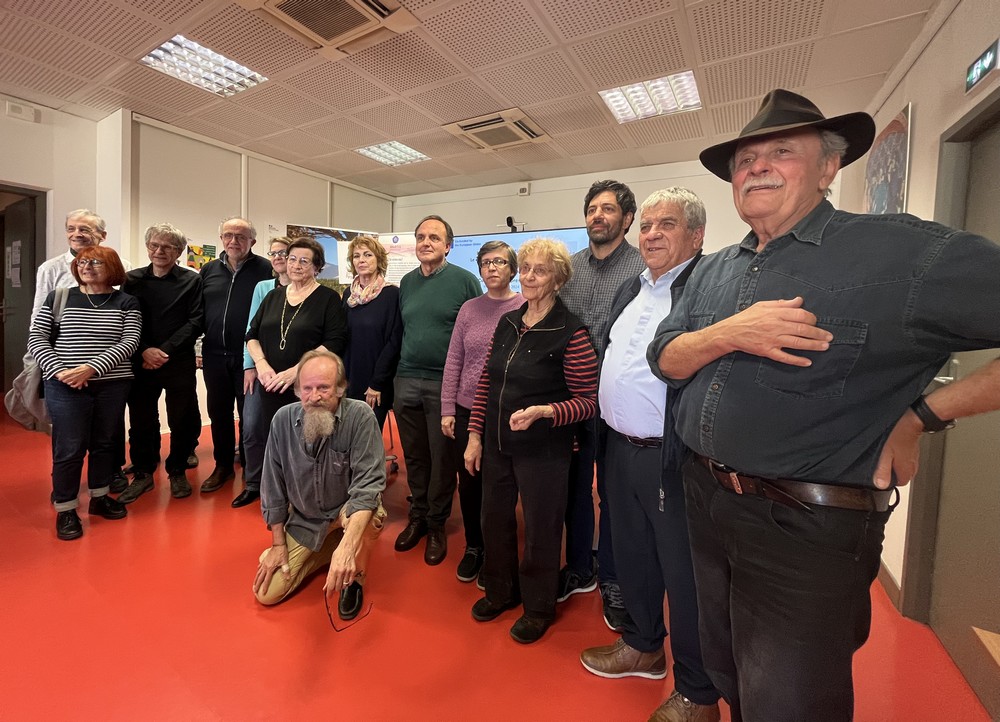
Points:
(631, 398)
(899, 296)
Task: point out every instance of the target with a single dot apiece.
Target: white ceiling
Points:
(467, 58)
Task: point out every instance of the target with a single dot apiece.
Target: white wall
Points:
(56, 155)
(933, 81)
(558, 203)
(359, 211)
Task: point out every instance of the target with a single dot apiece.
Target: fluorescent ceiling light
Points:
(672, 94)
(188, 61)
(392, 153)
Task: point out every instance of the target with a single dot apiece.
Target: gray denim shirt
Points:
(304, 488)
(898, 294)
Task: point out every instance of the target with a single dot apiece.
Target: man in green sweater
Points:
(429, 299)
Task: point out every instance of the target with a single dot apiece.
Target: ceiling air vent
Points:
(502, 130)
(337, 27)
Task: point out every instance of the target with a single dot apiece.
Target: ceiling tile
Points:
(165, 12)
(603, 163)
(653, 50)
(485, 32)
(730, 119)
(550, 169)
(587, 142)
(395, 118)
(157, 88)
(458, 101)
(338, 164)
(404, 62)
(19, 71)
(754, 76)
(209, 130)
(299, 144)
(428, 170)
(338, 85)
(240, 120)
(564, 116)
(666, 128)
(281, 104)
(475, 162)
(576, 18)
(538, 79)
(345, 132)
(849, 14)
(528, 153)
(728, 28)
(883, 44)
(437, 144)
(55, 49)
(102, 23)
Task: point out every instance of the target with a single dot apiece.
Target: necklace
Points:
(98, 305)
(282, 328)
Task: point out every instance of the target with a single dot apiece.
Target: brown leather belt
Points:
(797, 494)
(652, 442)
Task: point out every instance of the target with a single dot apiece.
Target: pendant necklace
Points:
(97, 305)
(282, 328)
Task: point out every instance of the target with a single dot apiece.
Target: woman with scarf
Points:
(376, 327)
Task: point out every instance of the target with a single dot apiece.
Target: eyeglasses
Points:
(154, 247)
(277, 254)
(300, 260)
(496, 263)
(84, 262)
(235, 237)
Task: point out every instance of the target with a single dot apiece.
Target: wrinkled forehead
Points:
(236, 226)
(83, 220)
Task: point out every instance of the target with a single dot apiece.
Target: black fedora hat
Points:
(783, 110)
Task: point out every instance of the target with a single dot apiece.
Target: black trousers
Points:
(259, 409)
(177, 379)
(652, 556)
(224, 387)
(784, 599)
(470, 486)
(541, 479)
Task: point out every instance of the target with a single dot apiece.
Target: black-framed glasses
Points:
(496, 263)
(239, 237)
(277, 254)
(329, 614)
(84, 262)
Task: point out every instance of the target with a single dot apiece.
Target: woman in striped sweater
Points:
(539, 382)
(84, 356)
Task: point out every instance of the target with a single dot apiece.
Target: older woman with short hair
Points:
(292, 319)
(376, 327)
(84, 351)
(539, 381)
(470, 339)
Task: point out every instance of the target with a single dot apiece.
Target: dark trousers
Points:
(429, 454)
(784, 599)
(580, 509)
(653, 556)
(541, 479)
(259, 409)
(85, 422)
(470, 486)
(223, 388)
(177, 380)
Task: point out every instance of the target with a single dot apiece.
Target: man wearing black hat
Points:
(799, 358)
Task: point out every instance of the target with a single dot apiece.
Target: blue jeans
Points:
(85, 422)
(259, 408)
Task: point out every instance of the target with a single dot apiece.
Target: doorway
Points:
(22, 227)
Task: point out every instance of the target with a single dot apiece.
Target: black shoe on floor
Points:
(192, 462)
(615, 614)
(486, 611)
(351, 598)
(247, 496)
(437, 546)
(107, 507)
(571, 583)
(529, 629)
(141, 483)
(119, 482)
(68, 525)
(179, 486)
(472, 562)
(413, 533)
(217, 479)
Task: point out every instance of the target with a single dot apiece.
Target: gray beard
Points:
(318, 424)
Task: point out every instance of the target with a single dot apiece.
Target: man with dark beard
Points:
(321, 489)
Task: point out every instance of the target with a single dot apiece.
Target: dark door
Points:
(18, 284)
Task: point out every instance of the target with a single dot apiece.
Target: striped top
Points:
(580, 370)
(104, 338)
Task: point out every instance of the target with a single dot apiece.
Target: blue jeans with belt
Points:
(85, 423)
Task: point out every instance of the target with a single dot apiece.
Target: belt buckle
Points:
(735, 478)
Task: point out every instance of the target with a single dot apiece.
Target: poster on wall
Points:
(402, 250)
(198, 256)
(886, 171)
(466, 248)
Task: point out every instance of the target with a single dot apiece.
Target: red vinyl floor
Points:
(152, 618)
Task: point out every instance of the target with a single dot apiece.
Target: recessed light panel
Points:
(188, 61)
(392, 153)
(672, 94)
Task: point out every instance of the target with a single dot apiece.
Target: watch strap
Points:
(931, 421)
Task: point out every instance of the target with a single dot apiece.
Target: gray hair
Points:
(491, 246)
(253, 231)
(167, 232)
(690, 204)
(87, 213)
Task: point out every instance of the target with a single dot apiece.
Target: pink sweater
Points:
(470, 342)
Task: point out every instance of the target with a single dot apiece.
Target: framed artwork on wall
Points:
(888, 164)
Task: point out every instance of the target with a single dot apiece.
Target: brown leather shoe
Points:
(217, 479)
(437, 546)
(620, 660)
(408, 538)
(679, 708)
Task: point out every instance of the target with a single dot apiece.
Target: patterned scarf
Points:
(360, 296)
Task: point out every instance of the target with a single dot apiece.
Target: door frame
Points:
(914, 597)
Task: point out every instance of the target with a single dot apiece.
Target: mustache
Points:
(752, 183)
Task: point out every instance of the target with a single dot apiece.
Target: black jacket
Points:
(227, 302)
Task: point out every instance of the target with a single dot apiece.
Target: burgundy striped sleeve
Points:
(580, 370)
(477, 417)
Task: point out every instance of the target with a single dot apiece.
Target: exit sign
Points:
(983, 66)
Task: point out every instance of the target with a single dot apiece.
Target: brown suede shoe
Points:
(679, 708)
(620, 660)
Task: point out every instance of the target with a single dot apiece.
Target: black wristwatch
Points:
(931, 421)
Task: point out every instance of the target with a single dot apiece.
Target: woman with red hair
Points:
(83, 341)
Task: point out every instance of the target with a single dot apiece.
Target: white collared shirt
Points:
(631, 398)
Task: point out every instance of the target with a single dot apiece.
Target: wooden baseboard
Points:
(890, 586)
